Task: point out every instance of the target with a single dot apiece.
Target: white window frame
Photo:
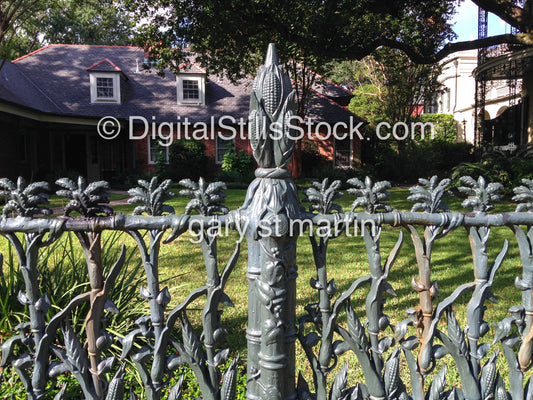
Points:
(221, 137)
(201, 88)
(116, 87)
(153, 161)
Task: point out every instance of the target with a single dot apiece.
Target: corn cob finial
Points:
(272, 115)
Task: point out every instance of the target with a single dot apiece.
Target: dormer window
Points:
(105, 79)
(104, 88)
(191, 84)
(191, 90)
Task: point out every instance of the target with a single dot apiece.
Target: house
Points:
(488, 100)
(94, 110)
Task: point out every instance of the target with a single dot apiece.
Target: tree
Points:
(231, 37)
(387, 87)
(13, 16)
(37, 23)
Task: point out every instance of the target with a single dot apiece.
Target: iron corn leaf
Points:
(139, 210)
(187, 193)
(105, 365)
(143, 183)
(191, 342)
(174, 361)
(357, 331)
(385, 344)
(61, 394)
(455, 333)
(215, 187)
(23, 362)
(338, 388)
(437, 385)
(142, 356)
(97, 188)
(524, 195)
(8, 347)
(7, 184)
(189, 184)
(75, 351)
(340, 347)
(56, 369)
(177, 390)
(311, 339)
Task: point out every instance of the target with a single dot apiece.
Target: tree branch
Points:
(421, 58)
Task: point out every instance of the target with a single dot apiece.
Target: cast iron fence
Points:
(48, 346)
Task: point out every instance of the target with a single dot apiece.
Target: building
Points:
(53, 101)
(458, 96)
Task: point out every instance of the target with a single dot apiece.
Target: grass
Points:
(181, 266)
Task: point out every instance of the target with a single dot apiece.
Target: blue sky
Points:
(466, 22)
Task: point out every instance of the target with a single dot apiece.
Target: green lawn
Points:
(181, 265)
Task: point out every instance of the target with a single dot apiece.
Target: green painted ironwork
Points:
(47, 346)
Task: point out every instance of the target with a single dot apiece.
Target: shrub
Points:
(237, 164)
(417, 160)
(508, 170)
(186, 159)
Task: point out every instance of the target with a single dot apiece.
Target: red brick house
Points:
(52, 102)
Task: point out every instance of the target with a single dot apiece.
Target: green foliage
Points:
(11, 282)
(238, 161)
(35, 23)
(63, 275)
(186, 159)
(444, 125)
(507, 170)
(426, 158)
(307, 34)
(388, 87)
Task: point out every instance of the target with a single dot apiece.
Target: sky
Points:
(466, 22)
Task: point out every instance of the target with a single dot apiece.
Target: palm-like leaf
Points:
(151, 197)
(85, 199)
(322, 195)
(480, 195)
(370, 195)
(429, 194)
(24, 200)
(524, 196)
(206, 199)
